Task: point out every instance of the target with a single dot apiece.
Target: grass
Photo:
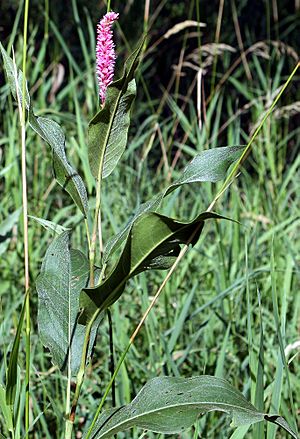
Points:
(232, 307)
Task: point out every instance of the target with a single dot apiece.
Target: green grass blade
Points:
(6, 411)
(12, 376)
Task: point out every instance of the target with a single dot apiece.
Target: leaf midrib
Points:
(111, 121)
(63, 160)
(132, 270)
(163, 408)
(108, 135)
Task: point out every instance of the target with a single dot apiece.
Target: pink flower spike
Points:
(105, 53)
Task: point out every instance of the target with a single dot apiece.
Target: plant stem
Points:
(217, 39)
(46, 31)
(108, 5)
(181, 255)
(92, 252)
(136, 331)
(80, 377)
(146, 15)
(87, 233)
(107, 390)
(100, 234)
(112, 360)
(25, 220)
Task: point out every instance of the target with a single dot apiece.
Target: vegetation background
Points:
(235, 298)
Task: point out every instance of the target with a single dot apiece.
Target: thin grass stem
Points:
(25, 222)
(217, 39)
(46, 27)
(146, 15)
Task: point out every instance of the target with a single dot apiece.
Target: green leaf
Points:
(153, 242)
(108, 130)
(279, 420)
(116, 241)
(171, 405)
(51, 132)
(50, 225)
(63, 274)
(210, 165)
(9, 222)
(12, 375)
(5, 229)
(14, 78)
(65, 175)
(7, 414)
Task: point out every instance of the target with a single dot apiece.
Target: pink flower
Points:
(105, 53)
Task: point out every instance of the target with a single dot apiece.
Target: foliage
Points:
(224, 322)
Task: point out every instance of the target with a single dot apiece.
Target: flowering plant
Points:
(105, 53)
(76, 289)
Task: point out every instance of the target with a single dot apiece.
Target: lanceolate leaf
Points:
(64, 273)
(66, 176)
(279, 420)
(15, 84)
(153, 242)
(210, 165)
(108, 130)
(171, 405)
(51, 132)
(50, 225)
(116, 241)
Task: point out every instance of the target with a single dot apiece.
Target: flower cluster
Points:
(105, 53)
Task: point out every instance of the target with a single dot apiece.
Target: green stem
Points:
(27, 378)
(217, 38)
(80, 377)
(199, 33)
(108, 5)
(136, 331)
(46, 32)
(107, 390)
(92, 255)
(25, 223)
(87, 233)
(92, 252)
(69, 419)
(111, 353)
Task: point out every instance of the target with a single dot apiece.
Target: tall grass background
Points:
(234, 301)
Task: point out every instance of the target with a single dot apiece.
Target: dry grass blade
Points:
(181, 26)
(287, 110)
